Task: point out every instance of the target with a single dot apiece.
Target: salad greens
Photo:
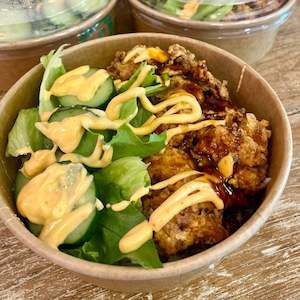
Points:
(24, 134)
(54, 68)
(128, 173)
(205, 12)
(97, 237)
(126, 143)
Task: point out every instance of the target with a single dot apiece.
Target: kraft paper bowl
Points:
(247, 89)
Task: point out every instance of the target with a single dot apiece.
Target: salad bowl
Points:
(247, 89)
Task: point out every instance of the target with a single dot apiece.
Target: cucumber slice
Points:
(103, 94)
(58, 13)
(86, 7)
(66, 112)
(14, 24)
(85, 230)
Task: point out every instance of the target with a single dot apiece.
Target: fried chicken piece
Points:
(246, 139)
(183, 62)
(120, 70)
(200, 224)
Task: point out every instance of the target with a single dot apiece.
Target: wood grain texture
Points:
(267, 267)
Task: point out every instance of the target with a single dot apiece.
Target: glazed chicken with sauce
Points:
(235, 155)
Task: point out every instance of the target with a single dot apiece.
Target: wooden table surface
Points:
(267, 267)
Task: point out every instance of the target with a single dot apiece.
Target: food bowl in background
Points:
(247, 34)
(29, 30)
(247, 89)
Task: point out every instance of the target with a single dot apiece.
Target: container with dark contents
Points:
(31, 28)
(246, 28)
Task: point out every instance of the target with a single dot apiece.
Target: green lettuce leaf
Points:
(54, 68)
(125, 143)
(129, 108)
(91, 250)
(128, 173)
(24, 133)
(141, 117)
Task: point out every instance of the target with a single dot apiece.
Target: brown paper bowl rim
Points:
(182, 266)
(64, 34)
(207, 25)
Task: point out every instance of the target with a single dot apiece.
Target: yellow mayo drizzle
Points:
(39, 161)
(185, 99)
(49, 198)
(55, 232)
(225, 165)
(136, 237)
(183, 198)
(189, 9)
(196, 191)
(100, 158)
(120, 206)
(142, 53)
(68, 132)
(75, 83)
(192, 127)
(161, 185)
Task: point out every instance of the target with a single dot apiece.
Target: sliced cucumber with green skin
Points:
(66, 112)
(86, 6)
(103, 94)
(58, 13)
(14, 24)
(86, 229)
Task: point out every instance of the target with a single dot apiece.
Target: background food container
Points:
(246, 28)
(31, 28)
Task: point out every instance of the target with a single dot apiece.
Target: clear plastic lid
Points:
(215, 10)
(23, 19)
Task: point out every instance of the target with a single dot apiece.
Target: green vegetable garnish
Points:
(126, 143)
(24, 134)
(129, 173)
(54, 68)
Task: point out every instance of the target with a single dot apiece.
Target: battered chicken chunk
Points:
(246, 139)
(120, 70)
(200, 224)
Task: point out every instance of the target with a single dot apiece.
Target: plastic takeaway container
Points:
(245, 28)
(31, 28)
